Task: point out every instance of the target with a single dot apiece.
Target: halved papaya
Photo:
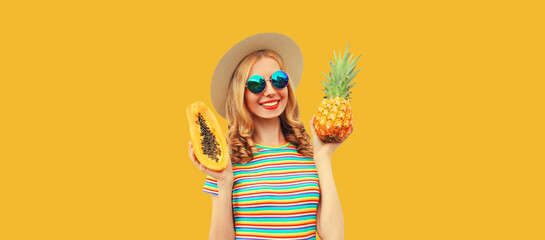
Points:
(208, 140)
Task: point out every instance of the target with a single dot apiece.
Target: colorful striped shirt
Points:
(275, 195)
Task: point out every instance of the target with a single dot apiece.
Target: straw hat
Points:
(279, 43)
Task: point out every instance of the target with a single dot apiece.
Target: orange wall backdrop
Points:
(448, 109)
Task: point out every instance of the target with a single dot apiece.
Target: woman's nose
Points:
(269, 89)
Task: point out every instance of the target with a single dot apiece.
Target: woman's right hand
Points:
(226, 175)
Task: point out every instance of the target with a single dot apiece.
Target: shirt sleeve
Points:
(210, 186)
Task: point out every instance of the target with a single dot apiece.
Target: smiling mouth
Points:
(270, 104)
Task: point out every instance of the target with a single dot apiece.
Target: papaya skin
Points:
(211, 122)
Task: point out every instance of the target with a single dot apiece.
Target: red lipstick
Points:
(271, 107)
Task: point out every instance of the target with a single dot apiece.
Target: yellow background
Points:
(448, 142)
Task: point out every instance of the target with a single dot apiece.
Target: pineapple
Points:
(334, 117)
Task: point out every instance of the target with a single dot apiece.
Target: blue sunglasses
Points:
(256, 83)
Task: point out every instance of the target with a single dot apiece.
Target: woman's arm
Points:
(329, 216)
(221, 225)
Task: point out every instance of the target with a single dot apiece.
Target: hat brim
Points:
(279, 43)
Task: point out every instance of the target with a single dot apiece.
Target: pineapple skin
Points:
(333, 120)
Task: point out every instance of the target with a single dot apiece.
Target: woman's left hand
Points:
(322, 148)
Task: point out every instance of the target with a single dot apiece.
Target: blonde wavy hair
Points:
(240, 124)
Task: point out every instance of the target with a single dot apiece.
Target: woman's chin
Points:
(268, 115)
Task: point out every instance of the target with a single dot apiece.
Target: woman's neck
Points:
(268, 132)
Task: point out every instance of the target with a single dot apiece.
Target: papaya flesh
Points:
(209, 143)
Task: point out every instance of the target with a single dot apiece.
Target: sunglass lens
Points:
(280, 79)
(256, 84)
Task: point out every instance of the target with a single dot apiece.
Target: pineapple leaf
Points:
(352, 75)
(327, 77)
(342, 71)
(351, 69)
(355, 60)
(323, 83)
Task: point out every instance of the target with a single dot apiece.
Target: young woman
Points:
(277, 185)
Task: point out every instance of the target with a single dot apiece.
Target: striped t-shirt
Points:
(275, 195)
